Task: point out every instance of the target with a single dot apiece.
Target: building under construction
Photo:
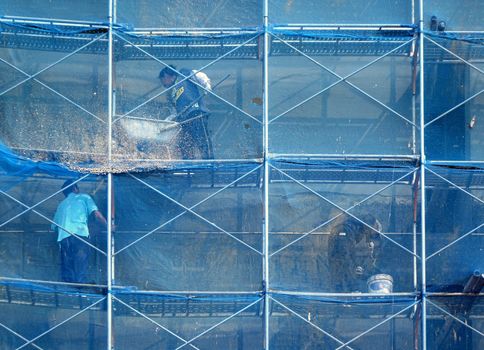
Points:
(272, 174)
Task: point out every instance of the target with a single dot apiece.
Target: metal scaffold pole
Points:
(266, 177)
(110, 342)
(422, 176)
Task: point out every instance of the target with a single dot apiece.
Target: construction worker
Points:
(192, 114)
(71, 218)
(353, 248)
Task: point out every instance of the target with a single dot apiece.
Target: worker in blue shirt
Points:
(192, 114)
(71, 218)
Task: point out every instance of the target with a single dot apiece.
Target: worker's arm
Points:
(93, 210)
(100, 218)
(53, 225)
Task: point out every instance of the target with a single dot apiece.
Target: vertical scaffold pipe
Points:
(110, 344)
(422, 176)
(266, 176)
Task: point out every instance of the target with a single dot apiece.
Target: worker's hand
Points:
(171, 117)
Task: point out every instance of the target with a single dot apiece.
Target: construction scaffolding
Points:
(337, 203)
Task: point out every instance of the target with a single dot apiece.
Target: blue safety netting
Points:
(322, 213)
(329, 234)
(333, 323)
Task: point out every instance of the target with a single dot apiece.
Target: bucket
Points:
(380, 284)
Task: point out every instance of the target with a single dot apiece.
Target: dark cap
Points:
(68, 187)
(168, 70)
